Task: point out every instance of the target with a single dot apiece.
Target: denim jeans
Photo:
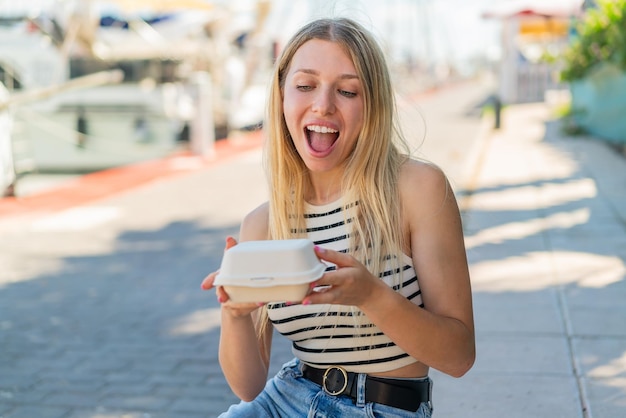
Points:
(290, 395)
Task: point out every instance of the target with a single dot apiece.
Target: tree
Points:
(601, 38)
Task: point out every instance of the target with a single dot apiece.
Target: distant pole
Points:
(202, 129)
(7, 163)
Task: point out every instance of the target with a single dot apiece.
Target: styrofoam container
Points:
(269, 271)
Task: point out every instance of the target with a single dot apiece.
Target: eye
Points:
(347, 93)
(304, 87)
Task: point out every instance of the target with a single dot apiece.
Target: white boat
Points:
(169, 63)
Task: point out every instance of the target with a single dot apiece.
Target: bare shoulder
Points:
(424, 182)
(421, 170)
(255, 225)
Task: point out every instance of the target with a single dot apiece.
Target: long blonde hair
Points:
(371, 175)
(372, 170)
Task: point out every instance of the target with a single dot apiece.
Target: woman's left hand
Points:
(350, 284)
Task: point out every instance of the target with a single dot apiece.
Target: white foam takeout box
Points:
(269, 271)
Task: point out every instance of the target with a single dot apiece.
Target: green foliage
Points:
(570, 127)
(565, 114)
(601, 38)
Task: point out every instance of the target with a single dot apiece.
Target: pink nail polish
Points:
(306, 302)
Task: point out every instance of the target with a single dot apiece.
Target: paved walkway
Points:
(545, 221)
(101, 313)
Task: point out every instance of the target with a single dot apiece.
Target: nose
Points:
(324, 102)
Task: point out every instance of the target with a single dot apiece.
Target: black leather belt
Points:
(397, 393)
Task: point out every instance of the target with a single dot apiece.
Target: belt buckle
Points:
(331, 376)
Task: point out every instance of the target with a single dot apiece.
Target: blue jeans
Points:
(290, 395)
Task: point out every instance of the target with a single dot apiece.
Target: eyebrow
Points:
(315, 72)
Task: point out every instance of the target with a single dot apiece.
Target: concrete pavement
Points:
(101, 314)
(545, 224)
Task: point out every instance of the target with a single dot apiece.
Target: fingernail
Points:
(319, 249)
(313, 285)
(259, 304)
(306, 302)
(221, 299)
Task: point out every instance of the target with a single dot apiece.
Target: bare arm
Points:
(442, 334)
(244, 357)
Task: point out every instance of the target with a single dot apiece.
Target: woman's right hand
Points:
(234, 309)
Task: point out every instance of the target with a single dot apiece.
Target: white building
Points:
(530, 30)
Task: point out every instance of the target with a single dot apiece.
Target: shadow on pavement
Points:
(547, 254)
(128, 330)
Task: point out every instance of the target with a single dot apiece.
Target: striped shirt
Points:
(326, 335)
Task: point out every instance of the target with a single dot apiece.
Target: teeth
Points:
(321, 129)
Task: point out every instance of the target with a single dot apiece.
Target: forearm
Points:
(240, 356)
(444, 343)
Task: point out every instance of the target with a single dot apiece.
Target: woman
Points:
(396, 298)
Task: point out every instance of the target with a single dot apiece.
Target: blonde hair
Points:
(372, 170)
(371, 175)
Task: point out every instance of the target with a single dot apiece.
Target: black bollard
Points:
(497, 110)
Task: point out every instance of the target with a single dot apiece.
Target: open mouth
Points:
(321, 138)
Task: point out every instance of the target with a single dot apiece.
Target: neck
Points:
(325, 188)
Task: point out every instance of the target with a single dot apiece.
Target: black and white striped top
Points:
(326, 335)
